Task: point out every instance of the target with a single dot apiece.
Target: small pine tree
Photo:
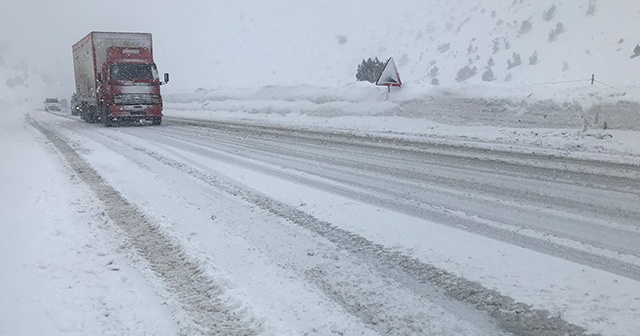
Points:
(636, 50)
(369, 70)
(360, 74)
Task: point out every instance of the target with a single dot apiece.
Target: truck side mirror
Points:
(166, 78)
(100, 77)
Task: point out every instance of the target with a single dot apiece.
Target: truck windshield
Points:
(132, 72)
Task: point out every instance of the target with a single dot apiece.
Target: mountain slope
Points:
(554, 41)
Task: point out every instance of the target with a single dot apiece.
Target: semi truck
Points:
(116, 78)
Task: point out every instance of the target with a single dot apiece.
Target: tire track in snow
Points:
(382, 303)
(199, 297)
(512, 316)
(531, 237)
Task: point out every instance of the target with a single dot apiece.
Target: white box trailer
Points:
(99, 61)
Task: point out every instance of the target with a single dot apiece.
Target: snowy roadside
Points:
(566, 123)
(61, 271)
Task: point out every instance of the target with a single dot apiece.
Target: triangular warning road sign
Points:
(389, 76)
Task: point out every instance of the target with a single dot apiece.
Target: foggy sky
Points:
(206, 43)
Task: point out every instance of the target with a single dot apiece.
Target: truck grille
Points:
(137, 99)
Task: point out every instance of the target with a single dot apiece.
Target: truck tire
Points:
(156, 121)
(92, 116)
(104, 117)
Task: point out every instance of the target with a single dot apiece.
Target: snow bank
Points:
(589, 122)
(470, 105)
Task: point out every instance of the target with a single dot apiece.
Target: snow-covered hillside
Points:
(521, 40)
(511, 52)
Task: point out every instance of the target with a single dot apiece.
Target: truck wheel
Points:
(104, 117)
(92, 117)
(156, 121)
(88, 115)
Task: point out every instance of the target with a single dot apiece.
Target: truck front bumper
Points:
(135, 112)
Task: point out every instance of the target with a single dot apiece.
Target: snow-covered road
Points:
(248, 229)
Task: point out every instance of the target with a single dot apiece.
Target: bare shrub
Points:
(496, 46)
(434, 72)
(515, 61)
(592, 8)
(559, 29)
(525, 27)
(444, 47)
(533, 59)
(636, 51)
(466, 73)
(549, 13)
(488, 75)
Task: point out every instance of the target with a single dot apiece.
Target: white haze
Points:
(223, 44)
(207, 44)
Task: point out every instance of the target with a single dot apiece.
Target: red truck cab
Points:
(131, 86)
